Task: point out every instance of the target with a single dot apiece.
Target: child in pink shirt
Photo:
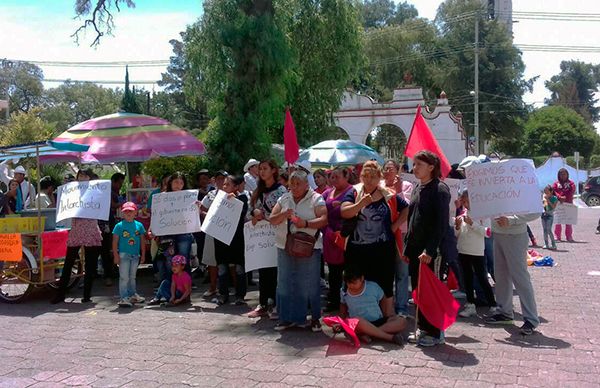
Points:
(176, 290)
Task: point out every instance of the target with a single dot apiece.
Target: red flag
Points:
(435, 302)
(349, 326)
(452, 282)
(290, 141)
(421, 139)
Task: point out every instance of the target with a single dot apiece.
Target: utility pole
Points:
(476, 96)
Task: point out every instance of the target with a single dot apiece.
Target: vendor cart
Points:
(34, 268)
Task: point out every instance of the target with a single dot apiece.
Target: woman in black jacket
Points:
(428, 219)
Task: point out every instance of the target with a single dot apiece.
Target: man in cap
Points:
(26, 191)
(306, 166)
(251, 174)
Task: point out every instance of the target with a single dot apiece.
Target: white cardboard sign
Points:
(85, 199)
(503, 188)
(566, 214)
(259, 241)
(453, 184)
(175, 212)
(223, 217)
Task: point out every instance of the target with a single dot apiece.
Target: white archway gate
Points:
(359, 114)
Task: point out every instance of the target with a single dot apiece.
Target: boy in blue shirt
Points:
(128, 242)
(363, 300)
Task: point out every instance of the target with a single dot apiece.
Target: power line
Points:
(107, 82)
(148, 63)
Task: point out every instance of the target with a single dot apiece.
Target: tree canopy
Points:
(23, 83)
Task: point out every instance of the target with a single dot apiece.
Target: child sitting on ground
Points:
(178, 289)
(363, 300)
(129, 250)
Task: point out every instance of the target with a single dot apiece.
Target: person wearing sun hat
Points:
(26, 191)
(251, 174)
(306, 166)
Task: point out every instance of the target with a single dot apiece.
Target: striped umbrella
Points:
(130, 137)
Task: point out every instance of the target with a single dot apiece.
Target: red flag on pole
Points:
(421, 139)
(434, 299)
(290, 141)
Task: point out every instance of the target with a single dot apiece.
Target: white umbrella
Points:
(339, 152)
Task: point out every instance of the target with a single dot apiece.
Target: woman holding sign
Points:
(299, 253)
(564, 188)
(264, 199)
(85, 234)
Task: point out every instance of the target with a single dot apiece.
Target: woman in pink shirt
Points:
(564, 188)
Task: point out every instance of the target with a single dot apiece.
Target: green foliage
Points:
(23, 82)
(571, 162)
(539, 160)
(129, 102)
(389, 141)
(594, 161)
(26, 127)
(379, 13)
(189, 165)
(574, 87)
(556, 128)
(74, 102)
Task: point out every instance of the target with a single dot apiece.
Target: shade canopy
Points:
(61, 151)
(129, 137)
(339, 152)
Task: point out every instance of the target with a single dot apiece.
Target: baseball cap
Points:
(129, 206)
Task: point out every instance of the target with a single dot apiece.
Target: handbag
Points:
(300, 244)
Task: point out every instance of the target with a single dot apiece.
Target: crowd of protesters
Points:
(371, 229)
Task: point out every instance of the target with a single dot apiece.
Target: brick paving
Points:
(100, 345)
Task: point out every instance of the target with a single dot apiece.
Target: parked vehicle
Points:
(591, 191)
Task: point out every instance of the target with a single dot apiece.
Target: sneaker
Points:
(315, 326)
(136, 298)
(468, 311)
(413, 338)
(221, 300)
(259, 311)
(428, 341)
(492, 311)
(273, 315)
(527, 328)
(398, 340)
(209, 293)
(499, 319)
(545, 247)
(154, 302)
(125, 302)
(284, 325)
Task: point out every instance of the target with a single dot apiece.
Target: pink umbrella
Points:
(129, 137)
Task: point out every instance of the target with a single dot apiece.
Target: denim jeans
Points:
(240, 280)
(183, 247)
(164, 291)
(298, 286)
(547, 221)
(401, 287)
(127, 269)
(163, 267)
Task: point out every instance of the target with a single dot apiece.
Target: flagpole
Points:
(418, 298)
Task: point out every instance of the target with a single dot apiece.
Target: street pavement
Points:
(101, 345)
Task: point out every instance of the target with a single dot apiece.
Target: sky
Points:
(31, 30)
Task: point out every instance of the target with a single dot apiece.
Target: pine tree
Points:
(129, 103)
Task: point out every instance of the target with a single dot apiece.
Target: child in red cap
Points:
(129, 250)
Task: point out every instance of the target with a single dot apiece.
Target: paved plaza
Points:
(100, 345)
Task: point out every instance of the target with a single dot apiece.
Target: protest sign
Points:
(503, 188)
(175, 212)
(259, 241)
(20, 224)
(54, 244)
(85, 199)
(10, 247)
(566, 214)
(223, 217)
(453, 184)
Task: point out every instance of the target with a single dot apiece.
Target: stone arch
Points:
(389, 140)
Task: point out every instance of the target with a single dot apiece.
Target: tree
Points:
(557, 128)
(23, 83)
(574, 87)
(25, 127)
(501, 69)
(98, 15)
(129, 102)
(74, 102)
(381, 13)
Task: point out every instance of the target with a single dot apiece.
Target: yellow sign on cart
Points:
(10, 247)
(20, 224)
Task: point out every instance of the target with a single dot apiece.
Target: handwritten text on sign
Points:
(10, 247)
(260, 245)
(89, 199)
(223, 217)
(503, 188)
(175, 212)
(565, 213)
(453, 184)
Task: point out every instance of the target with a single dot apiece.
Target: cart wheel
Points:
(15, 280)
(76, 274)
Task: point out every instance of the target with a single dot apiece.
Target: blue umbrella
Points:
(339, 152)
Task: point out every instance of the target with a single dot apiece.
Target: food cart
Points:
(34, 267)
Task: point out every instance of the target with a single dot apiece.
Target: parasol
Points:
(339, 152)
(129, 137)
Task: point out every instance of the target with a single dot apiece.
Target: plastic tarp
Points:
(547, 173)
